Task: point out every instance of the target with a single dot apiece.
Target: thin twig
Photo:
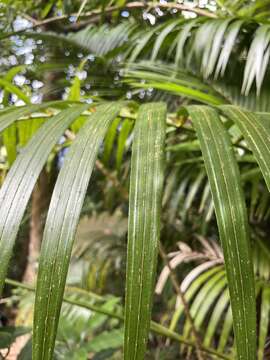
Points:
(129, 6)
(98, 12)
(81, 9)
(30, 18)
(177, 288)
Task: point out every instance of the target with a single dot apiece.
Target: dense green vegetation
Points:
(135, 178)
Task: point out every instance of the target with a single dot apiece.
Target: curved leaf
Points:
(121, 141)
(61, 225)
(264, 321)
(216, 316)
(11, 114)
(20, 181)
(109, 141)
(8, 86)
(199, 306)
(230, 209)
(146, 184)
(256, 132)
(226, 330)
(200, 280)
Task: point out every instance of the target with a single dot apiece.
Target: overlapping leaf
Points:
(256, 133)
(146, 184)
(20, 181)
(224, 179)
(62, 219)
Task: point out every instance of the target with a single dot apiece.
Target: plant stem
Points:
(95, 14)
(130, 6)
(155, 327)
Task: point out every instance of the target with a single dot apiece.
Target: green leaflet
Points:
(146, 184)
(230, 39)
(141, 43)
(264, 321)
(214, 272)
(88, 304)
(204, 306)
(199, 303)
(10, 143)
(62, 219)
(10, 134)
(217, 312)
(27, 128)
(19, 183)
(180, 90)
(109, 141)
(9, 87)
(107, 339)
(121, 142)
(227, 325)
(10, 115)
(161, 37)
(256, 132)
(224, 179)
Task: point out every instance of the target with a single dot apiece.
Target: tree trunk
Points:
(39, 206)
(43, 190)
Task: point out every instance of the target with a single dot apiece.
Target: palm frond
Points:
(147, 171)
(215, 131)
(208, 280)
(32, 159)
(97, 40)
(56, 250)
(206, 46)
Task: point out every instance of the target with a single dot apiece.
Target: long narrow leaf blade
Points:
(146, 184)
(256, 133)
(224, 179)
(20, 181)
(10, 114)
(264, 321)
(60, 228)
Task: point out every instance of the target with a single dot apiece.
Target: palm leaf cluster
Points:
(219, 62)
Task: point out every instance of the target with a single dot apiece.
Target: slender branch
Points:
(129, 6)
(30, 18)
(155, 327)
(98, 12)
(179, 293)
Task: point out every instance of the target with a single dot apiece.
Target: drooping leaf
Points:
(109, 141)
(224, 178)
(220, 307)
(210, 290)
(216, 273)
(13, 89)
(61, 223)
(20, 181)
(121, 141)
(161, 37)
(256, 133)
(11, 114)
(264, 321)
(227, 325)
(146, 184)
(10, 142)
